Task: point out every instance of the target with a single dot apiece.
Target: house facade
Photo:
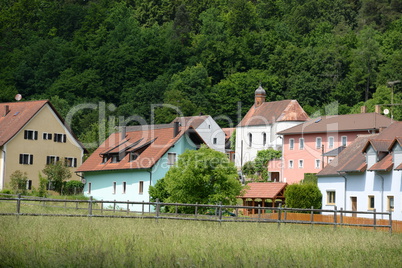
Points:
(128, 162)
(309, 147)
(367, 175)
(207, 128)
(33, 134)
(259, 128)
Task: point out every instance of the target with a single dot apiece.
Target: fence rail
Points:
(279, 215)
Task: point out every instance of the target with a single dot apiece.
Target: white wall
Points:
(209, 130)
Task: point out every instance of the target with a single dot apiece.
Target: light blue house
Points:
(128, 162)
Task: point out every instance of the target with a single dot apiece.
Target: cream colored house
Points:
(33, 134)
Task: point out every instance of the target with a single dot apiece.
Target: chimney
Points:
(363, 109)
(7, 110)
(175, 128)
(377, 109)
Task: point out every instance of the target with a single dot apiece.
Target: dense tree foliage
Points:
(203, 176)
(200, 56)
(305, 195)
(257, 169)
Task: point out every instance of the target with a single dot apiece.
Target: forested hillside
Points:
(204, 56)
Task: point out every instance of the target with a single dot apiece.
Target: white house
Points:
(366, 175)
(207, 128)
(259, 127)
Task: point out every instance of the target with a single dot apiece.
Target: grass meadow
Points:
(41, 241)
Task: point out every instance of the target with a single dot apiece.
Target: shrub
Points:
(72, 187)
(18, 182)
(303, 196)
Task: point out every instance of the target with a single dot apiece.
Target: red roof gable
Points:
(269, 190)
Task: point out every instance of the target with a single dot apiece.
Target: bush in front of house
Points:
(305, 195)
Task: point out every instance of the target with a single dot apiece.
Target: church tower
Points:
(259, 96)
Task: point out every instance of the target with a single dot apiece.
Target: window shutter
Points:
(55, 137)
(21, 158)
(57, 159)
(64, 138)
(25, 134)
(31, 159)
(47, 160)
(75, 162)
(36, 135)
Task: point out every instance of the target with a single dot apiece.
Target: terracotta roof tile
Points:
(156, 140)
(344, 123)
(383, 165)
(276, 111)
(194, 121)
(264, 190)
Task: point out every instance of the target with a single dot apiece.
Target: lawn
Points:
(102, 242)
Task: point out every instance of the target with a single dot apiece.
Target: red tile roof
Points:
(344, 123)
(276, 111)
(19, 113)
(385, 164)
(152, 142)
(228, 132)
(194, 121)
(378, 145)
(264, 190)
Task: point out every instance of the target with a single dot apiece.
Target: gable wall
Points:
(44, 121)
(208, 130)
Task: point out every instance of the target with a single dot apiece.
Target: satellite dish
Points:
(18, 97)
(386, 111)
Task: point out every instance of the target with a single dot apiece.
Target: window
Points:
(47, 136)
(215, 140)
(141, 187)
(26, 159)
(171, 158)
(70, 162)
(59, 137)
(390, 203)
(344, 140)
(317, 163)
(124, 187)
(29, 184)
(133, 156)
(290, 163)
(115, 158)
(330, 142)
(291, 144)
(114, 187)
(89, 187)
(105, 158)
(50, 159)
(250, 139)
(301, 143)
(318, 142)
(30, 135)
(301, 163)
(264, 139)
(371, 204)
(331, 197)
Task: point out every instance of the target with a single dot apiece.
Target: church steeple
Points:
(259, 96)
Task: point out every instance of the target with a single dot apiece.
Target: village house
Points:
(259, 128)
(33, 134)
(130, 161)
(366, 175)
(207, 128)
(228, 143)
(310, 146)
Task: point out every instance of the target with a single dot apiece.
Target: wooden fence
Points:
(27, 206)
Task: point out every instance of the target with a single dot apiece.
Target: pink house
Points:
(309, 147)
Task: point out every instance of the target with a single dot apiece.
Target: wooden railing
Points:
(28, 206)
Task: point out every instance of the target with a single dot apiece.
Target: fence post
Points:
(18, 204)
(142, 212)
(390, 222)
(76, 204)
(176, 210)
(279, 214)
(220, 212)
(128, 208)
(90, 206)
(259, 212)
(285, 214)
(312, 216)
(157, 209)
(196, 209)
(335, 220)
(114, 206)
(341, 217)
(102, 206)
(375, 219)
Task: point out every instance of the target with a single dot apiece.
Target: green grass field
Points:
(101, 242)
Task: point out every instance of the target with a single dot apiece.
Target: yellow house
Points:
(33, 134)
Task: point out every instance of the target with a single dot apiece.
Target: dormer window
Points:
(133, 156)
(115, 158)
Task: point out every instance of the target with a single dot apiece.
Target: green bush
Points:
(72, 187)
(18, 182)
(303, 196)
